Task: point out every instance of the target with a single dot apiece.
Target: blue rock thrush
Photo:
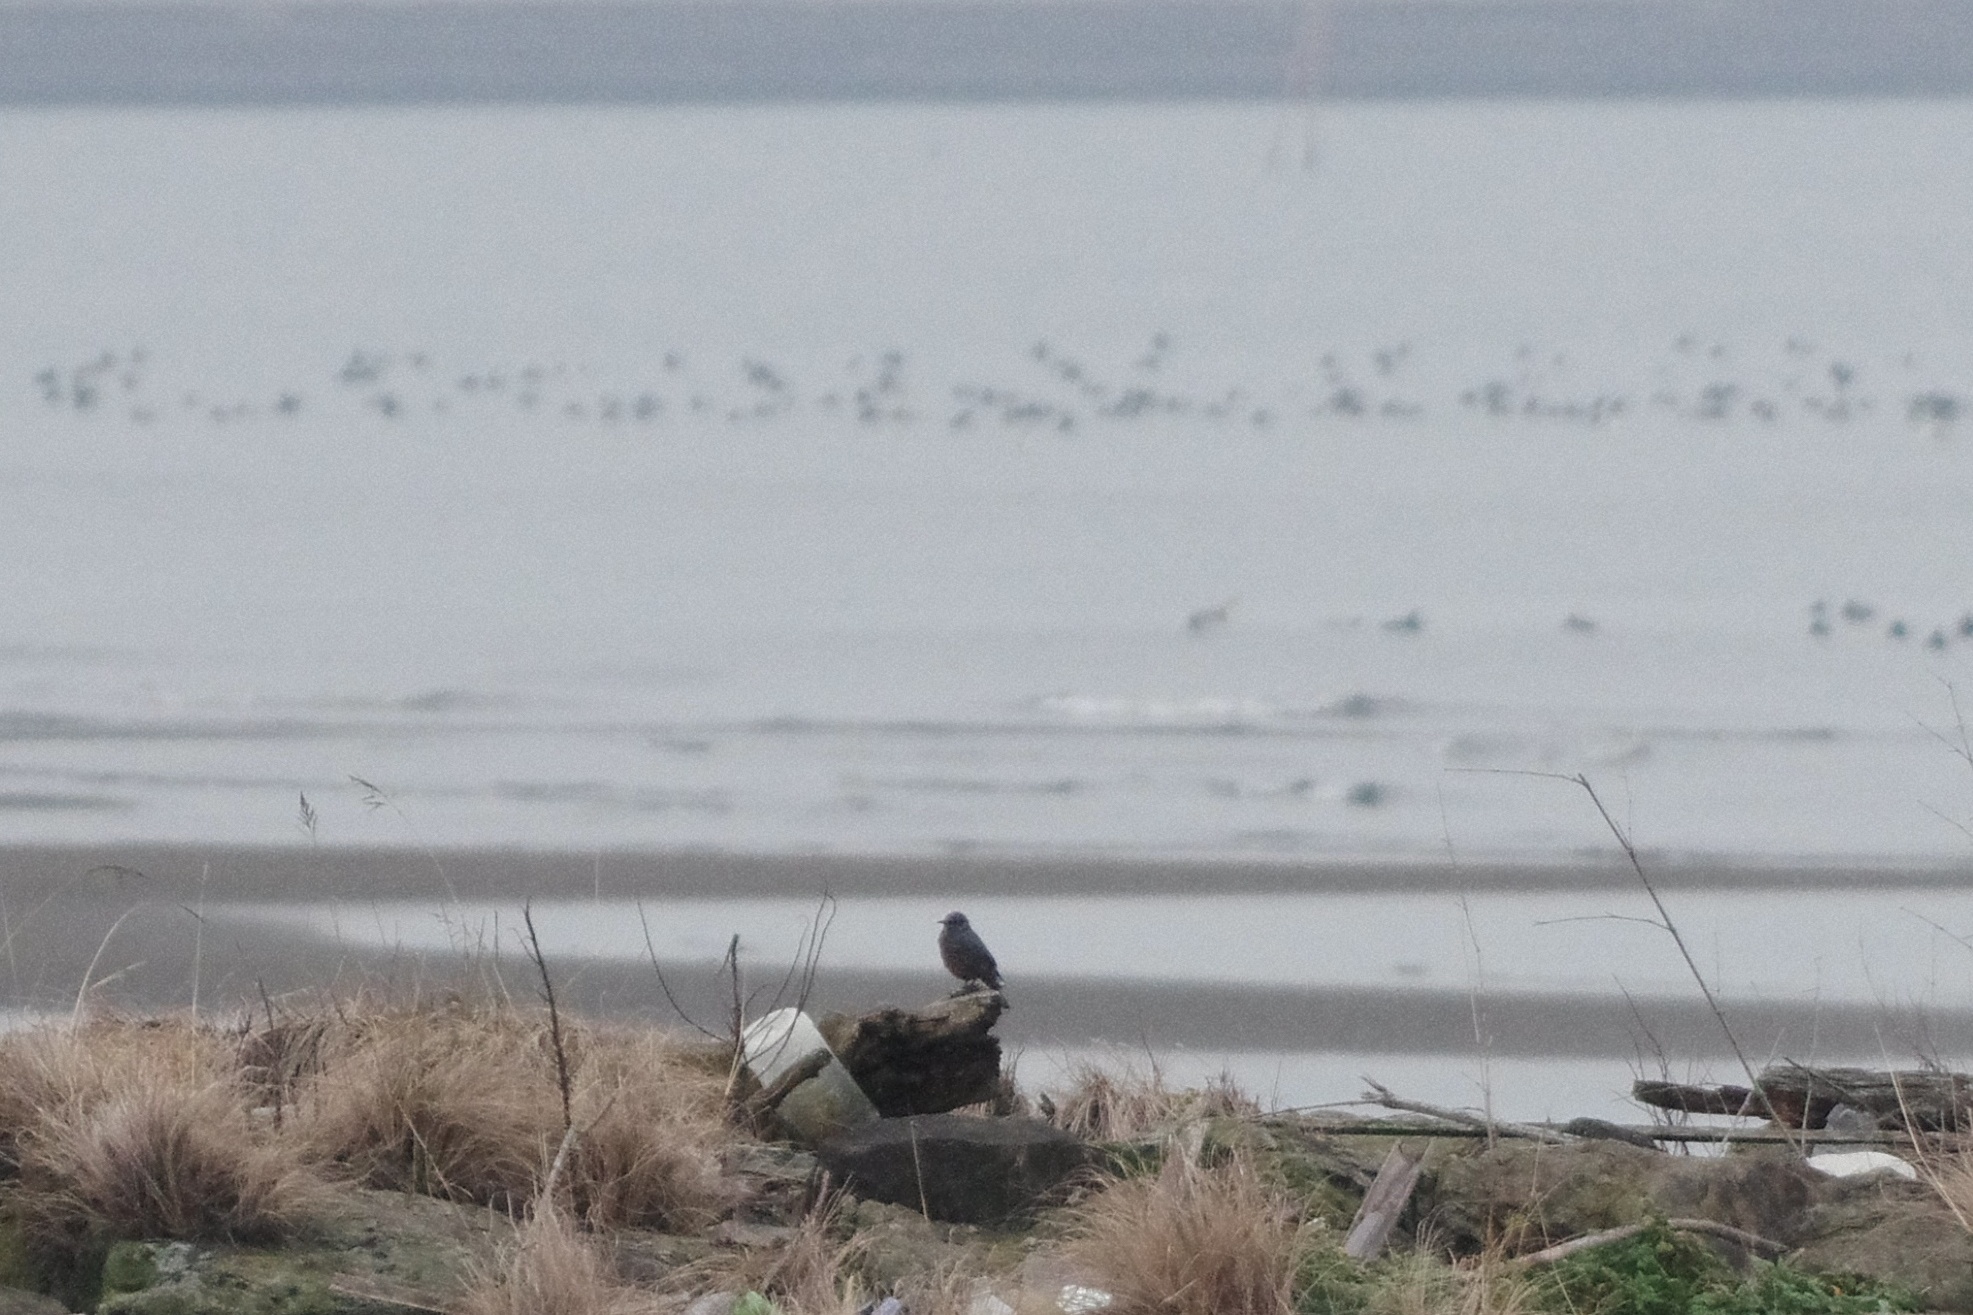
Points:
(965, 954)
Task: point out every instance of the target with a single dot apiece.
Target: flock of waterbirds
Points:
(1041, 389)
(1047, 390)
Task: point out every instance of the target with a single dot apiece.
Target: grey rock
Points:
(714, 1303)
(19, 1301)
(957, 1169)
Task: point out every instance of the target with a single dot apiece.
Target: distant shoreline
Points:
(246, 872)
(750, 51)
(73, 906)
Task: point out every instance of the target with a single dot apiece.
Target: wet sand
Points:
(233, 872)
(135, 911)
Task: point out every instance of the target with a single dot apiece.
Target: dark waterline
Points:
(301, 873)
(692, 51)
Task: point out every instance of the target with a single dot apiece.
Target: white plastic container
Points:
(828, 1103)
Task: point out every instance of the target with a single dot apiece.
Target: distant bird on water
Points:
(965, 954)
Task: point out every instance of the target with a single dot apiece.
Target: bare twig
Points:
(665, 986)
(375, 797)
(1379, 1094)
(279, 1081)
(918, 1170)
(808, 955)
(1670, 928)
(736, 1021)
(533, 946)
(199, 938)
(82, 993)
(1752, 1241)
(570, 1137)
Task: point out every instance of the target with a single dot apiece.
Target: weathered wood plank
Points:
(1383, 1204)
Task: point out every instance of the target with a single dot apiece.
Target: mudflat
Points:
(145, 926)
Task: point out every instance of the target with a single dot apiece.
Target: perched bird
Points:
(965, 954)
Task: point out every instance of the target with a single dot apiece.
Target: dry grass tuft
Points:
(1192, 1241)
(455, 1103)
(652, 1124)
(464, 1103)
(553, 1269)
(1103, 1106)
(140, 1130)
(813, 1273)
(1950, 1175)
(1420, 1285)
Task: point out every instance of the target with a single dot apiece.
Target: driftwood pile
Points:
(1856, 1099)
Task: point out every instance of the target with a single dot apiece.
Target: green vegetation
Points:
(1659, 1272)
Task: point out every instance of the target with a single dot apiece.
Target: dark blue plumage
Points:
(965, 954)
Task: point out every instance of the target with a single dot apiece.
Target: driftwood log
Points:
(1383, 1204)
(1919, 1100)
(925, 1061)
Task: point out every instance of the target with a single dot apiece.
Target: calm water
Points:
(920, 480)
(846, 478)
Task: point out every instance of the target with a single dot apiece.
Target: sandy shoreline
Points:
(242, 872)
(133, 909)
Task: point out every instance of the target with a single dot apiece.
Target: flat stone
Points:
(956, 1169)
(19, 1301)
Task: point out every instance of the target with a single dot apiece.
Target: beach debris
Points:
(926, 1061)
(1379, 1094)
(802, 1083)
(1075, 1299)
(714, 1303)
(1383, 1204)
(1603, 1130)
(1855, 1164)
(1726, 1232)
(1922, 1100)
(984, 1303)
(953, 1168)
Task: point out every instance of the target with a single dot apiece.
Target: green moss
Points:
(129, 1267)
(152, 1278)
(18, 1267)
(1330, 1283)
(1660, 1272)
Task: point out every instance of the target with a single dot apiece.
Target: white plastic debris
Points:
(1850, 1164)
(713, 1303)
(1076, 1299)
(826, 1104)
(985, 1303)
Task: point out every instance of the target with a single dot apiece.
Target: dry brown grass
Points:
(463, 1102)
(1950, 1175)
(1123, 1105)
(652, 1124)
(813, 1273)
(1193, 1240)
(552, 1268)
(453, 1102)
(1418, 1284)
(121, 1129)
